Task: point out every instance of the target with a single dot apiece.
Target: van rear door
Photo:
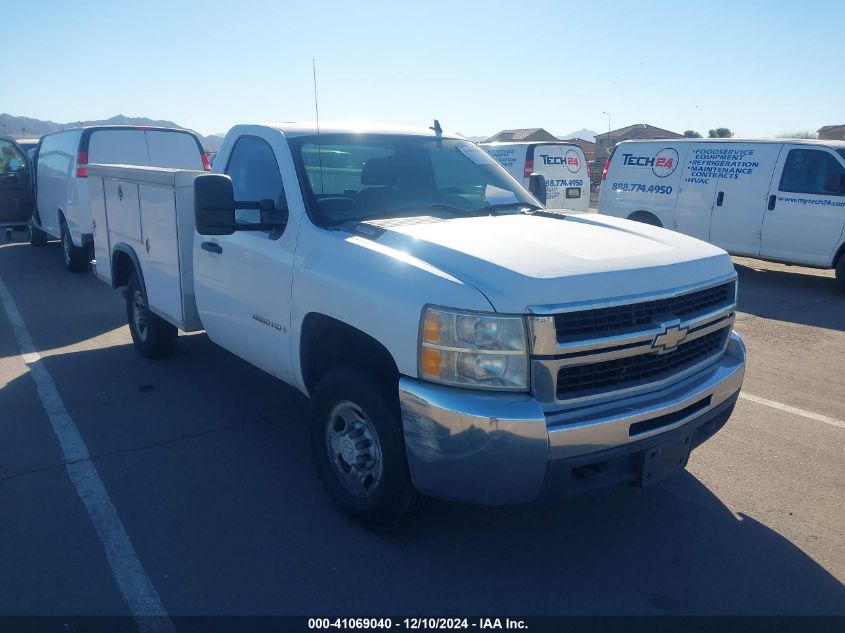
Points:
(565, 170)
(743, 173)
(118, 147)
(805, 210)
(175, 149)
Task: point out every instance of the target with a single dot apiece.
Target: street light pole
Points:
(607, 114)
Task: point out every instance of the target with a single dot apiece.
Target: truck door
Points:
(242, 281)
(805, 211)
(743, 174)
(15, 186)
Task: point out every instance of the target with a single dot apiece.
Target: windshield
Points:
(358, 177)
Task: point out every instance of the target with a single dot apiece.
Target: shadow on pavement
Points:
(793, 296)
(207, 461)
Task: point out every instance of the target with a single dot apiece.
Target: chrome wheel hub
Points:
(354, 449)
(139, 314)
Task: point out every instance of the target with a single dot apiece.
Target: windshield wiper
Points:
(511, 205)
(415, 210)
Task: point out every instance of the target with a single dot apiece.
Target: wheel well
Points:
(326, 343)
(646, 217)
(840, 253)
(122, 268)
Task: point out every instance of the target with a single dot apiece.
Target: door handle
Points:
(720, 198)
(212, 247)
(773, 199)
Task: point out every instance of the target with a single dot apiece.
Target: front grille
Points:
(576, 380)
(605, 321)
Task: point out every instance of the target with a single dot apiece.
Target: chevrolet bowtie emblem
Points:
(669, 338)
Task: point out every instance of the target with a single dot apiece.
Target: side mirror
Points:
(537, 187)
(214, 205)
(272, 218)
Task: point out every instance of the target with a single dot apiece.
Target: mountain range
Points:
(21, 126)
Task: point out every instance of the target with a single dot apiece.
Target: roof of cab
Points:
(309, 128)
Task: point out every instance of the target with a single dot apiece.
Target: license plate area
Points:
(661, 461)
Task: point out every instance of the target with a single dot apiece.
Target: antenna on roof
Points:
(438, 131)
(317, 113)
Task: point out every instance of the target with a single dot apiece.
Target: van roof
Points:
(798, 141)
(530, 143)
(309, 128)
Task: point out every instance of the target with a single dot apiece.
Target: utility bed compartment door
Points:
(160, 251)
(122, 204)
(99, 221)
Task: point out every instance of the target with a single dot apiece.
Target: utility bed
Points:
(148, 213)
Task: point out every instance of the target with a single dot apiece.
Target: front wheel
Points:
(73, 257)
(153, 336)
(359, 450)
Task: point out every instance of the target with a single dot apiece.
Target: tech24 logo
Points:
(570, 159)
(662, 164)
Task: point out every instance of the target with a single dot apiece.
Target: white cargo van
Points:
(561, 164)
(456, 339)
(777, 200)
(62, 207)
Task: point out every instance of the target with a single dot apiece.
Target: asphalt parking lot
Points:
(206, 461)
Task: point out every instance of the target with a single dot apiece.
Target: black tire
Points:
(645, 218)
(390, 496)
(37, 237)
(153, 336)
(74, 258)
(840, 272)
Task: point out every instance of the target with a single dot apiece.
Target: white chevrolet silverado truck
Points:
(456, 339)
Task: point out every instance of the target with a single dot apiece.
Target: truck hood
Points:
(522, 260)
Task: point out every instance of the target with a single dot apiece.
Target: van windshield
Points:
(357, 177)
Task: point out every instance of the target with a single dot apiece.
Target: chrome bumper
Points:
(494, 448)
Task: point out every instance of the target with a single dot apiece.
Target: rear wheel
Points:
(74, 257)
(153, 336)
(359, 450)
(840, 272)
(37, 237)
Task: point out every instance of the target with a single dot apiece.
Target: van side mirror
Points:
(537, 187)
(214, 205)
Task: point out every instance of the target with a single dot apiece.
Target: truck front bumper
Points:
(499, 448)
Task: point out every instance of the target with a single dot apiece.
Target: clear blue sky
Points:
(759, 68)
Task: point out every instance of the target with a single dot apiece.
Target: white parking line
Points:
(133, 582)
(794, 410)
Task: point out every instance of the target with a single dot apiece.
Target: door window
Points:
(812, 171)
(11, 160)
(255, 176)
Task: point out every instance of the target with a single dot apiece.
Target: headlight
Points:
(465, 349)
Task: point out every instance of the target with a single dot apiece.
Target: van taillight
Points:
(529, 169)
(606, 167)
(82, 165)
(205, 164)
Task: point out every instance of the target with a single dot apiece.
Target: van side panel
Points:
(511, 157)
(178, 150)
(743, 174)
(644, 177)
(56, 169)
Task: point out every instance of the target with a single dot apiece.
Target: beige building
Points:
(607, 141)
(832, 132)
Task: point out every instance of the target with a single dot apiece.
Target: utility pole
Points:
(607, 114)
